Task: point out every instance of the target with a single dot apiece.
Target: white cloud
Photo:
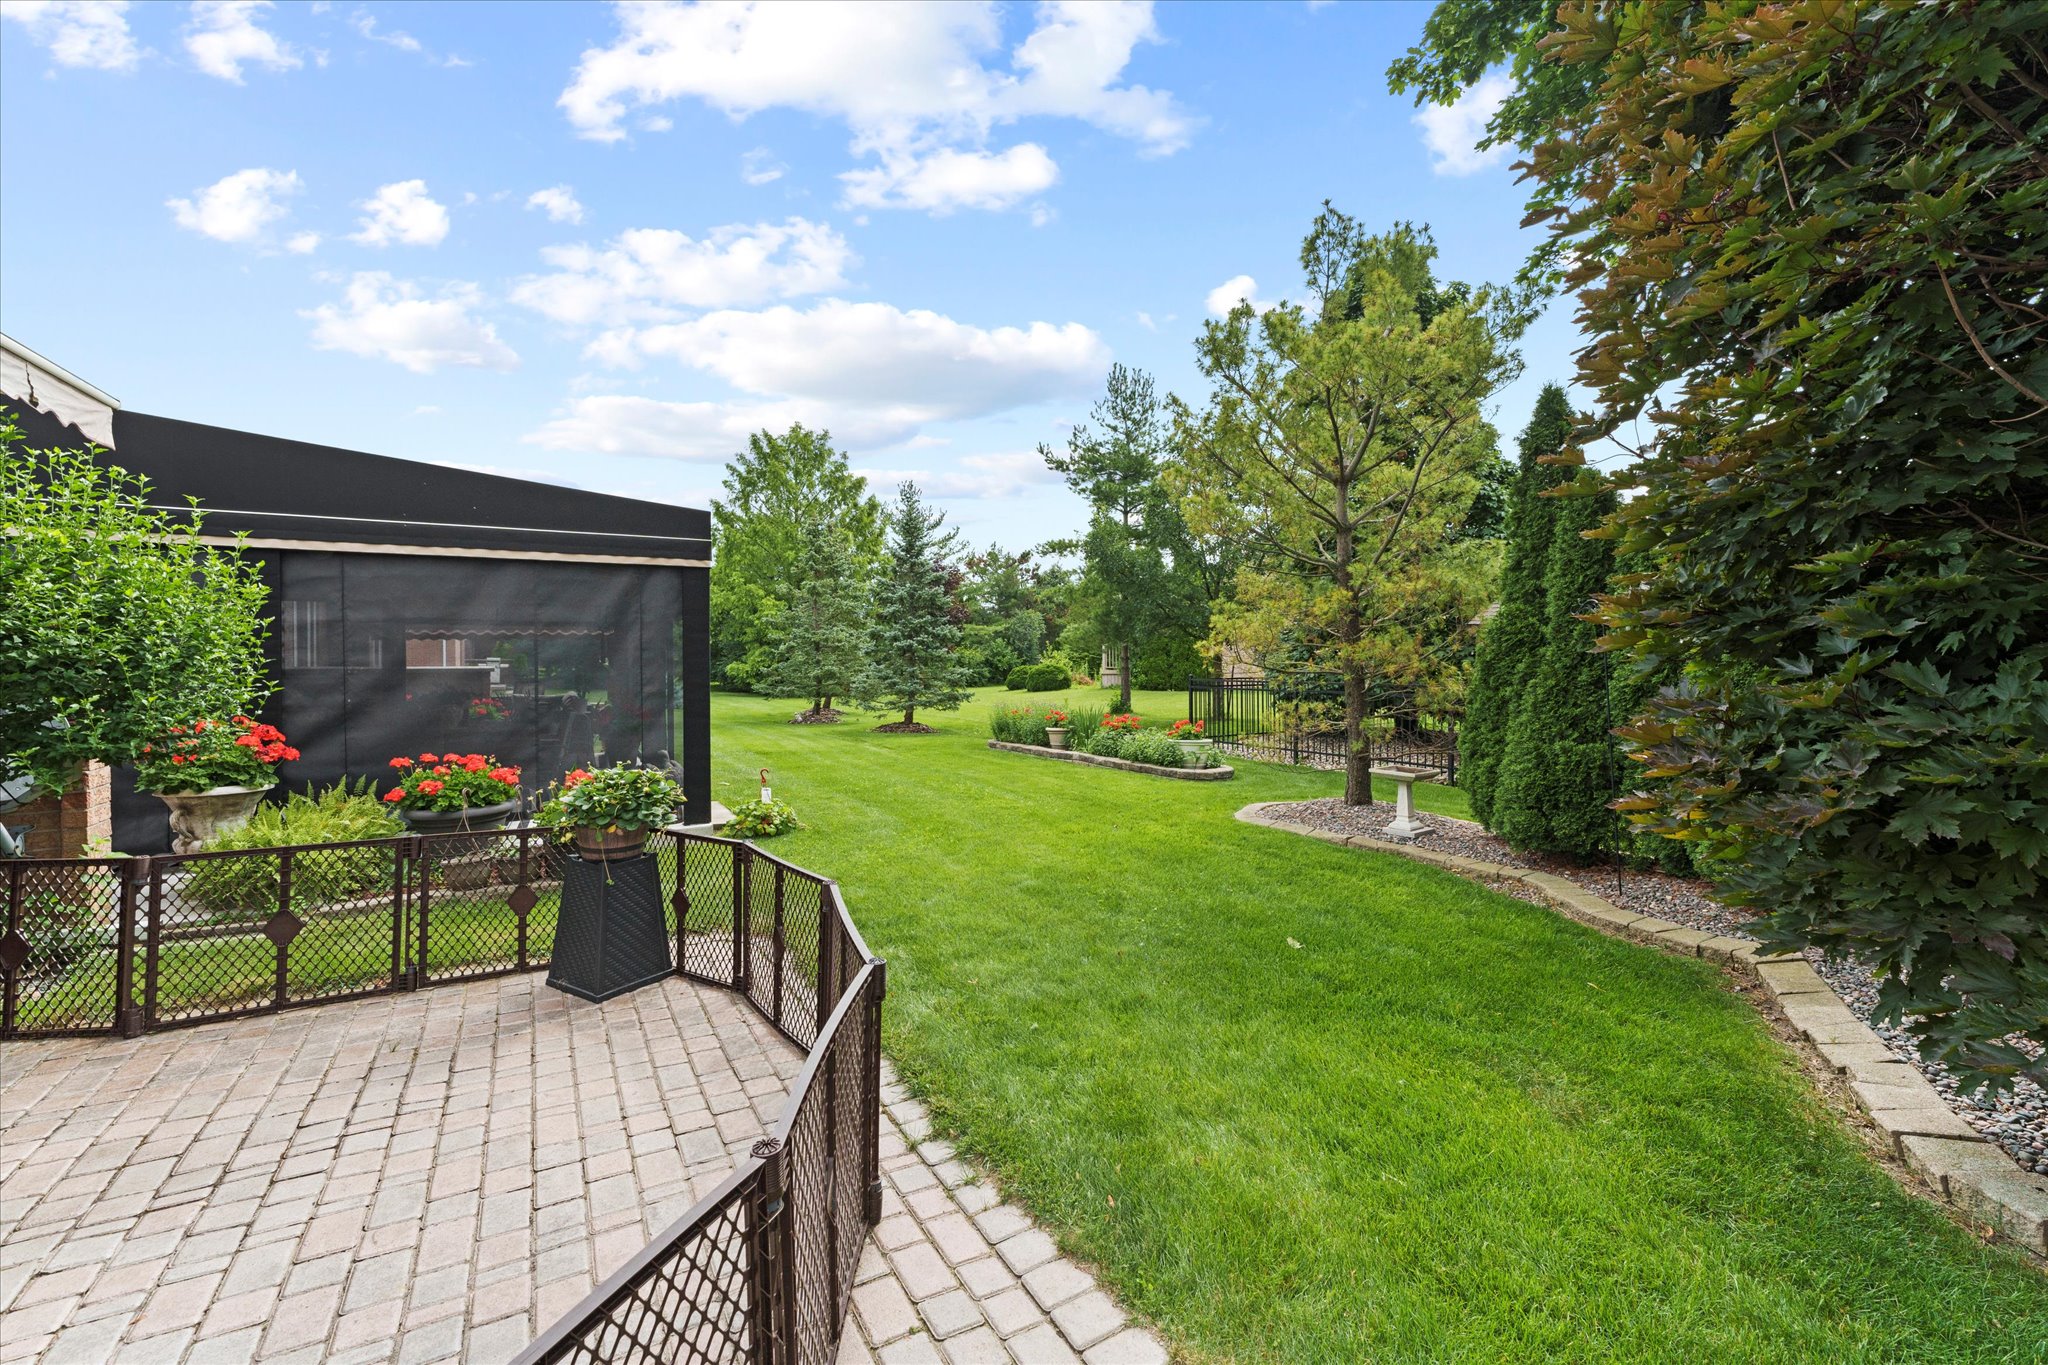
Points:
(1452, 131)
(560, 203)
(238, 207)
(87, 33)
(1145, 321)
(980, 476)
(1233, 291)
(759, 167)
(402, 212)
(874, 356)
(626, 424)
(947, 179)
(365, 23)
(646, 274)
(223, 34)
(911, 82)
(395, 320)
(871, 374)
(303, 243)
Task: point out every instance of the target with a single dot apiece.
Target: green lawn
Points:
(1447, 1126)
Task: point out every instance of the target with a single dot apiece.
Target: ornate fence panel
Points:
(252, 930)
(761, 1271)
(1252, 718)
(66, 946)
(484, 904)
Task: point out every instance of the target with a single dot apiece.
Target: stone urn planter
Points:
(454, 821)
(608, 845)
(1055, 737)
(1193, 748)
(199, 817)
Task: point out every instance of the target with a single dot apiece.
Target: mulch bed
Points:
(914, 727)
(2017, 1121)
(825, 717)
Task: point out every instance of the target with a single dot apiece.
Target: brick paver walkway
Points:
(431, 1177)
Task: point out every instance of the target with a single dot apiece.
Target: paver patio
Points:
(432, 1176)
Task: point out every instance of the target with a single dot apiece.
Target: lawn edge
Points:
(1952, 1161)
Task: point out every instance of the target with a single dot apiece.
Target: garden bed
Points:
(1219, 773)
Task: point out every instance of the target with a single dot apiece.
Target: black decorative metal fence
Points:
(760, 1272)
(1299, 719)
(762, 1269)
(128, 945)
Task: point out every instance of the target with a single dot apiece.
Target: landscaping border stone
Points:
(1954, 1161)
(1219, 773)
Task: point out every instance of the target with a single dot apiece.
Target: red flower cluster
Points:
(452, 781)
(1184, 729)
(1055, 716)
(211, 753)
(571, 779)
(1127, 721)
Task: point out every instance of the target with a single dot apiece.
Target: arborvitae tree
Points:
(912, 638)
(819, 637)
(1510, 642)
(1560, 768)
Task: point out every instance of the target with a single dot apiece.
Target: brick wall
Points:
(65, 825)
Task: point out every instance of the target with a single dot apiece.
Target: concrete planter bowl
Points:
(197, 818)
(454, 821)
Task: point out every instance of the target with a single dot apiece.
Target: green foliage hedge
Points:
(1813, 239)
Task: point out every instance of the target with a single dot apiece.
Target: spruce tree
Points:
(1511, 641)
(913, 637)
(819, 637)
(1560, 768)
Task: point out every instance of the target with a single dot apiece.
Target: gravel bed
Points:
(2017, 1121)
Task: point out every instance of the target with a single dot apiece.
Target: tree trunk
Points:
(910, 715)
(1123, 677)
(1357, 753)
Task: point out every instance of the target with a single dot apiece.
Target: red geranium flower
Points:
(395, 794)
(429, 758)
(505, 774)
(429, 787)
(401, 763)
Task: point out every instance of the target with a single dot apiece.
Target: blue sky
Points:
(597, 246)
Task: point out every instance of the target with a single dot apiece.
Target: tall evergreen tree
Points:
(819, 638)
(1510, 642)
(913, 636)
(1561, 768)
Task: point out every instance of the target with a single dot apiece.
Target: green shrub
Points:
(1164, 663)
(1150, 746)
(1106, 744)
(758, 819)
(1018, 677)
(342, 813)
(1046, 678)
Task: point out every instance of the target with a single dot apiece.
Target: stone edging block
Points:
(1953, 1159)
(1220, 773)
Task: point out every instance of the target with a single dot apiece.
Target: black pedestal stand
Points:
(612, 934)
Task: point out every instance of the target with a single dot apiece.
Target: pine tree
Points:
(1512, 640)
(912, 637)
(1561, 767)
(819, 639)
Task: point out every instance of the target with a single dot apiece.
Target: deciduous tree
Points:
(1341, 444)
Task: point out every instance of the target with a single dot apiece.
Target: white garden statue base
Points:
(1405, 826)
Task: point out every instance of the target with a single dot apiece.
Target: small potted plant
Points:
(1193, 743)
(1056, 729)
(609, 812)
(488, 709)
(212, 774)
(437, 793)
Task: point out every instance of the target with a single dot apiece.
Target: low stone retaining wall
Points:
(1917, 1126)
(1219, 773)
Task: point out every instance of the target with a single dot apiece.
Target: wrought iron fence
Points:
(761, 1271)
(128, 945)
(1292, 723)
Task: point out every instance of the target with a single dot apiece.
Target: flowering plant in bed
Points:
(488, 708)
(609, 811)
(453, 791)
(1126, 722)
